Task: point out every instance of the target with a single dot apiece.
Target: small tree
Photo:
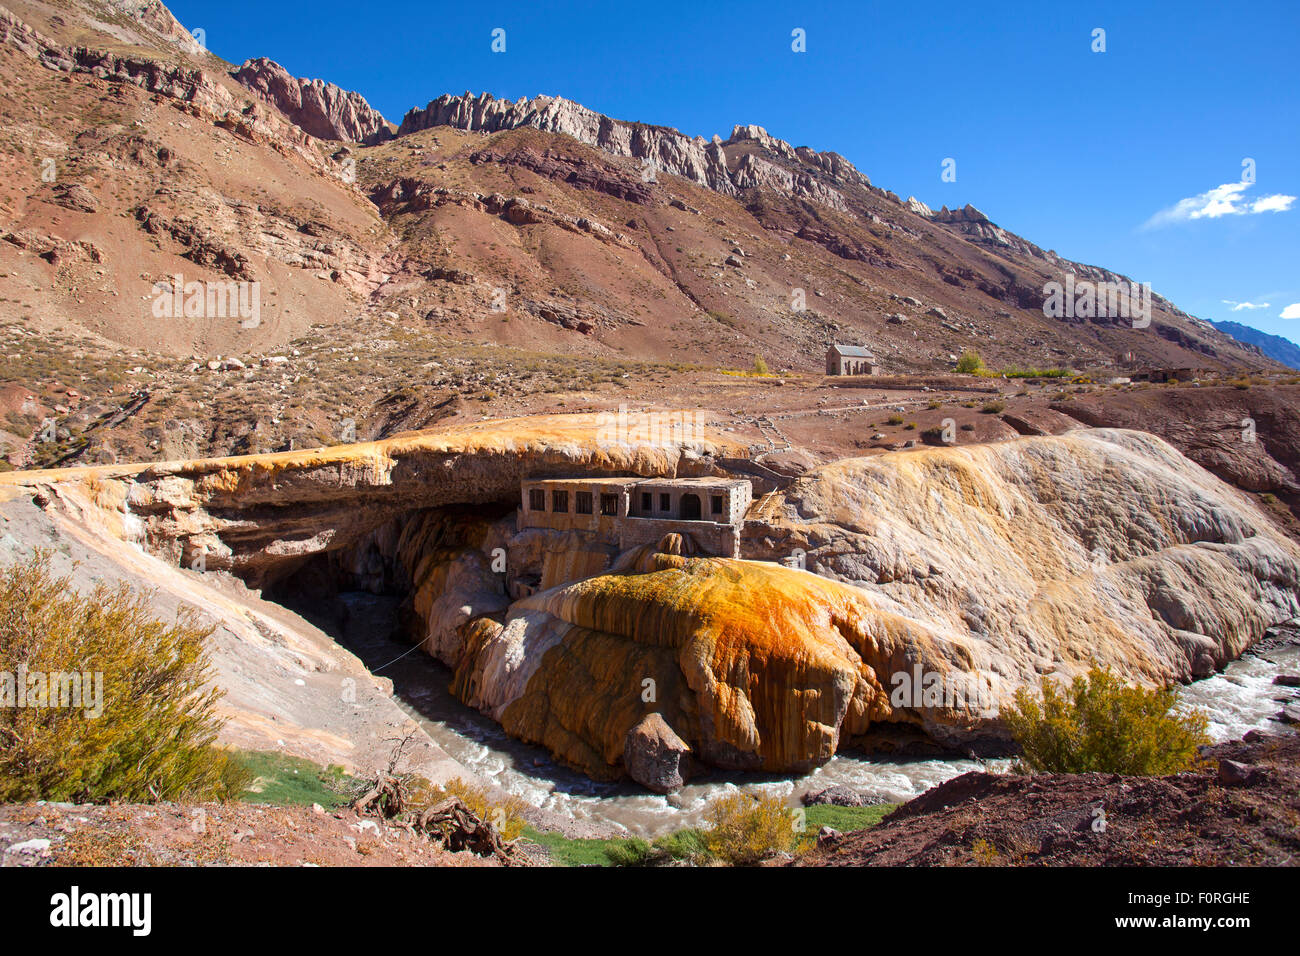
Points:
(141, 725)
(970, 363)
(1099, 724)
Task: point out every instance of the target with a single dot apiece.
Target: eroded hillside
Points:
(528, 256)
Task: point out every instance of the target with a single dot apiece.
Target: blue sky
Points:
(1129, 158)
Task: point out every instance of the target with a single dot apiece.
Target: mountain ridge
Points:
(549, 266)
(1277, 347)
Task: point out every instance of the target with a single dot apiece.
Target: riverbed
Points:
(1236, 700)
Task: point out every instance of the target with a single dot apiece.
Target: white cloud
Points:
(1274, 203)
(1226, 200)
(1292, 311)
(1239, 306)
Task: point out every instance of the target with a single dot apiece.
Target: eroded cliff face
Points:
(935, 582)
(755, 666)
(945, 580)
(322, 109)
(1050, 554)
(262, 516)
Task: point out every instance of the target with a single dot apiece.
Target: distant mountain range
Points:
(1276, 347)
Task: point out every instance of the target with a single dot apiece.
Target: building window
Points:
(645, 501)
(609, 504)
(717, 504)
(536, 499)
(665, 503)
(560, 501)
(582, 502)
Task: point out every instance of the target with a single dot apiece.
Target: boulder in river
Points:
(655, 756)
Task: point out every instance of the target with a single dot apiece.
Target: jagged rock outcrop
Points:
(406, 195)
(665, 149)
(169, 79)
(201, 246)
(921, 209)
(694, 158)
(322, 109)
(753, 172)
(967, 213)
(15, 32)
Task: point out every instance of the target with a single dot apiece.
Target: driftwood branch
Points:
(449, 823)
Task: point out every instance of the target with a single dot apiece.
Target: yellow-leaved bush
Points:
(1100, 724)
(744, 829)
(144, 726)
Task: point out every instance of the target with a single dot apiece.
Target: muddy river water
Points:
(1236, 700)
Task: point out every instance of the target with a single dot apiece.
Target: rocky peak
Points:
(759, 135)
(153, 15)
(802, 172)
(967, 213)
(321, 109)
(918, 207)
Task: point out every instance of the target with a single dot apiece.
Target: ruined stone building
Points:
(850, 360)
(629, 512)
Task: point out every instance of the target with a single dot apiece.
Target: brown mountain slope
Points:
(571, 231)
(483, 245)
(127, 164)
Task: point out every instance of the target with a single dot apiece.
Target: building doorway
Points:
(690, 507)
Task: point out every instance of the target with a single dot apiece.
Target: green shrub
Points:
(894, 420)
(633, 852)
(745, 829)
(970, 363)
(760, 366)
(679, 846)
(684, 845)
(146, 733)
(1100, 724)
(992, 408)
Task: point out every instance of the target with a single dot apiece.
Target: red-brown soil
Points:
(1188, 819)
(210, 835)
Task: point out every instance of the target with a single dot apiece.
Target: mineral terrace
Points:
(646, 608)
